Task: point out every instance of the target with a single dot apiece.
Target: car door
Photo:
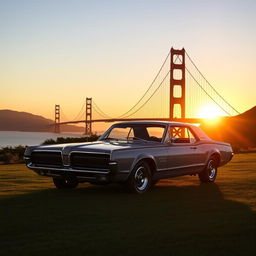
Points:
(184, 151)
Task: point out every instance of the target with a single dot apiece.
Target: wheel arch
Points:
(217, 156)
(148, 159)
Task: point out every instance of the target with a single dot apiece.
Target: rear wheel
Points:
(140, 178)
(65, 183)
(209, 174)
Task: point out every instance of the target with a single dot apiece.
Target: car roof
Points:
(154, 122)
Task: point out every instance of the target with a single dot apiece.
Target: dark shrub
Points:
(10, 155)
(62, 140)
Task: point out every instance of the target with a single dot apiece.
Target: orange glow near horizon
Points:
(211, 113)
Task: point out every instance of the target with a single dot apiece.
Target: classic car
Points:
(136, 154)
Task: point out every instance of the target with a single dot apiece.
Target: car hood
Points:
(96, 146)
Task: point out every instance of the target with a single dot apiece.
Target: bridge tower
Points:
(177, 83)
(88, 117)
(57, 119)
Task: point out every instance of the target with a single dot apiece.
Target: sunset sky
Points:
(60, 52)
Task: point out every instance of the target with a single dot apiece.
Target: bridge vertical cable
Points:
(154, 101)
(81, 113)
(100, 112)
(137, 104)
(202, 90)
(63, 116)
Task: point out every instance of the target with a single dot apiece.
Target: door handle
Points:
(193, 147)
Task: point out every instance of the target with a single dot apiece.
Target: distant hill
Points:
(22, 121)
(238, 130)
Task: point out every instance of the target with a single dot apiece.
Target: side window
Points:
(155, 133)
(180, 134)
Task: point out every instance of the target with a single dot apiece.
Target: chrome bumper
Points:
(68, 169)
(102, 175)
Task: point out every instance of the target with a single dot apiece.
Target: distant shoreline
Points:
(42, 132)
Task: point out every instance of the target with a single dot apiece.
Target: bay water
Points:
(15, 138)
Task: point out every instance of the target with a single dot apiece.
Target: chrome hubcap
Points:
(212, 169)
(141, 180)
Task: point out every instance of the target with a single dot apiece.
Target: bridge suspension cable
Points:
(215, 91)
(99, 111)
(63, 116)
(200, 90)
(80, 113)
(207, 92)
(150, 86)
(150, 96)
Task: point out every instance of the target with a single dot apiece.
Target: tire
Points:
(208, 175)
(139, 180)
(62, 183)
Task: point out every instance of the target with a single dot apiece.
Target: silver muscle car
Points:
(136, 154)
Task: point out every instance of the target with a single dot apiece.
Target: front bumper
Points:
(82, 175)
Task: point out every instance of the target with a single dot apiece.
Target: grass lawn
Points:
(178, 217)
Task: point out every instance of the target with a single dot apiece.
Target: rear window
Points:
(200, 133)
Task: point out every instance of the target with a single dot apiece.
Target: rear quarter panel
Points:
(224, 151)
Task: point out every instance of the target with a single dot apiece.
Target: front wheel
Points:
(140, 178)
(209, 174)
(63, 183)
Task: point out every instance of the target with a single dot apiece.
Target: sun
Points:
(210, 112)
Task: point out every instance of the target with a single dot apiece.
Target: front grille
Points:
(46, 159)
(89, 160)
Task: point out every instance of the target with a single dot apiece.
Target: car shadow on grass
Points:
(106, 220)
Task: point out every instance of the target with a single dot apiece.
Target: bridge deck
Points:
(185, 120)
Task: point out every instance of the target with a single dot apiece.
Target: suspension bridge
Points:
(175, 94)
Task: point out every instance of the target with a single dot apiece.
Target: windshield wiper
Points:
(110, 139)
(137, 138)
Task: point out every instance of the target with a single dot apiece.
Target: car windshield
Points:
(135, 132)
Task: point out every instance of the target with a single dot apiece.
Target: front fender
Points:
(141, 157)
